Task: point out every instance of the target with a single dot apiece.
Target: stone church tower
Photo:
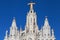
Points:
(31, 31)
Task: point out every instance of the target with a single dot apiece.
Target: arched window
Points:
(31, 20)
(34, 21)
(31, 11)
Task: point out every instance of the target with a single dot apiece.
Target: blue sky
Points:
(19, 9)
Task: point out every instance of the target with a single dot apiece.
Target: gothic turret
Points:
(13, 29)
(46, 28)
(31, 23)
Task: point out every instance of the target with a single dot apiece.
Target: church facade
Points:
(31, 31)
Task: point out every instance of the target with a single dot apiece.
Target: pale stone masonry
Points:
(31, 31)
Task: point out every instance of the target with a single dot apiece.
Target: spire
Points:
(13, 28)
(14, 22)
(6, 37)
(6, 33)
(20, 29)
(52, 33)
(31, 5)
(31, 18)
(46, 21)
